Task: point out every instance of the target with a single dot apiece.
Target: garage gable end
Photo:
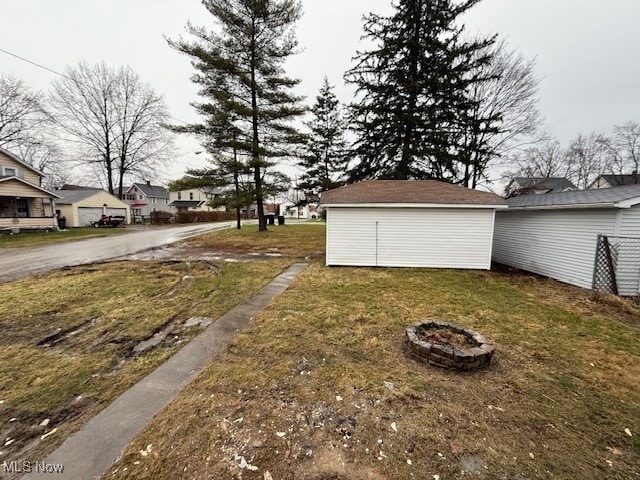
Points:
(417, 237)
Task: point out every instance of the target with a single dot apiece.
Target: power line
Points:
(34, 63)
(63, 75)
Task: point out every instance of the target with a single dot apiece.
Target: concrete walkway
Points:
(92, 450)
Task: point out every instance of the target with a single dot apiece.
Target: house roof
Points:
(69, 197)
(152, 190)
(620, 180)
(603, 197)
(40, 189)
(552, 184)
(21, 162)
(409, 192)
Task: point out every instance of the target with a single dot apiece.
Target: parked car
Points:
(109, 221)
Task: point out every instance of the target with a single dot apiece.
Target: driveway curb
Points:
(93, 449)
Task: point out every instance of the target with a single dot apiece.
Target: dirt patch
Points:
(444, 336)
(575, 299)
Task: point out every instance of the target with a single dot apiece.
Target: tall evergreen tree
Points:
(324, 158)
(249, 100)
(412, 91)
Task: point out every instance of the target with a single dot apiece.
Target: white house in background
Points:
(84, 205)
(195, 200)
(291, 210)
(555, 235)
(410, 223)
(144, 198)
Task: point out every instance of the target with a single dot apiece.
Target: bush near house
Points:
(159, 217)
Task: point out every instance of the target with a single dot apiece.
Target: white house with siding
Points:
(555, 235)
(410, 223)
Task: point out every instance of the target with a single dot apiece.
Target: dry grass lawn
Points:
(320, 387)
(68, 338)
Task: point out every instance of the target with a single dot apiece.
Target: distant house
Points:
(24, 204)
(306, 211)
(608, 181)
(410, 223)
(538, 185)
(81, 206)
(144, 198)
(195, 200)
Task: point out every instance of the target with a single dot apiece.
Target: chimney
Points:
(148, 183)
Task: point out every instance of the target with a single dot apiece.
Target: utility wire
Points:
(34, 63)
(62, 74)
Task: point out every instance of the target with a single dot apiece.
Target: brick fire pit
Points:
(448, 346)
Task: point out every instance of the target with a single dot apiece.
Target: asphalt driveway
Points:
(19, 263)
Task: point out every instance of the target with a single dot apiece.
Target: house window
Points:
(190, 195)
(9, 172)
(179, 195)
(153, 200)
(140, 197)
(22, 208)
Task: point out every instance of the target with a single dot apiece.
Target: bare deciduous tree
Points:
(20, 111)
(504, 113)
(546, 159)
(114, 119)
(623, 149)
(585, 159)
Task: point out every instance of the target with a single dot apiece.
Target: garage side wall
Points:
(410, 237)
(560, 244)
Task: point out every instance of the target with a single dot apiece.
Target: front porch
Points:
(22, 213)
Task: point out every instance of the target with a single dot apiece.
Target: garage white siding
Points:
(630, 222)
(410, 237)
(560, 244)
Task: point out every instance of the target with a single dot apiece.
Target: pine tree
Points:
(249, 100)
(412, 89)
(324, 158)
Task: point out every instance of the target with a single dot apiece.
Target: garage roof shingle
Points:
(408, 192)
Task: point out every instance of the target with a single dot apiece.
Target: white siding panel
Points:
(630, 222)
(628, 262)
(416, 237)
(351, 239)
(560, 244)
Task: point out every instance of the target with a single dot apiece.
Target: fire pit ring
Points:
(448, 346)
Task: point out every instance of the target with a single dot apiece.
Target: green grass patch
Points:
(299, 240)
(320, 387)
(36, 239)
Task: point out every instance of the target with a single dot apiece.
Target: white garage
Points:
(556, 234)
(410, 223)
(83, 206)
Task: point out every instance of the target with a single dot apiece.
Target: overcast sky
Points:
(586, 50)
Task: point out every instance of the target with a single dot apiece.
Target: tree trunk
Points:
(257, 174)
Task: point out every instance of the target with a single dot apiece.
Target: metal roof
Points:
(605, 197)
